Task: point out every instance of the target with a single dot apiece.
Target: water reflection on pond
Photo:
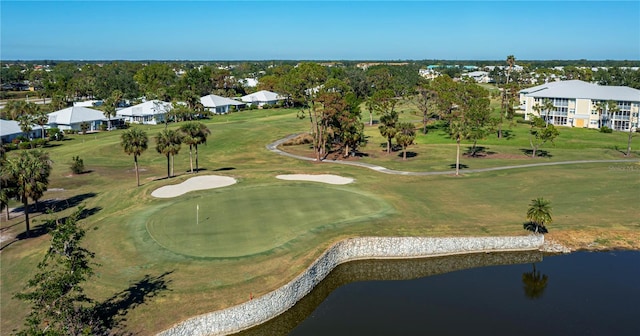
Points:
(518, 293)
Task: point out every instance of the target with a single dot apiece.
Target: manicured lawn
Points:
(239, 221)
(592, 204)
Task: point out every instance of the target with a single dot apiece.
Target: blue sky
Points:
(318, 30)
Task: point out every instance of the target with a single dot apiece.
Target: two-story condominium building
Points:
(581, 104)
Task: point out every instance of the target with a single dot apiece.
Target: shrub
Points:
(24, 145)
(103, 127)
(10, 146)
(301, 139)
(40, 142)
(605, 129)
(77, 165)
(55, 134)
(20, 138)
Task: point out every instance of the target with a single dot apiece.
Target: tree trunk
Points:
(346, 150)
(500, 130)
(172, 160)
(388, 145)
(168, 165)
(191, 157)
(629, 140)
(424, 122)
(25, 204)
(7, 208)
(135, 160)
(370, 118)
(533, 155)
(196, 150)
(458, 156)
(404, 152)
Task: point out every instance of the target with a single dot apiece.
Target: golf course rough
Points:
(264, 308)
(252, 219)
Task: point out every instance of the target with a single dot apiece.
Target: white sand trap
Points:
(194, 183)
(324, 178)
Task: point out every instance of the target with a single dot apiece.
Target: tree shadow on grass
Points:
(224, 169)
(112, 312)
(461, 166)
(539, 153)
(508, 134)
(48, 225)
(409, 155)
(71, 202)
(477, 152)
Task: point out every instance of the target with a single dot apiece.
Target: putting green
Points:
(244, 221)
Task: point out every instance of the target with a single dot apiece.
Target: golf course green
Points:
(243, 221)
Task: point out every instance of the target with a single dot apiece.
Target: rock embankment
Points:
(272, 304)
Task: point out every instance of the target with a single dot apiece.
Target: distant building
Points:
(262, 97)
(10, 129)
(219, 105)
(575, 103)
(149, 113)
(428, 73)
(74, 117)
(478, 76)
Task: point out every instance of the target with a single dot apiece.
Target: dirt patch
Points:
(596, 239)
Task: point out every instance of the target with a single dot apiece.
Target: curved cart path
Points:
(274, 148)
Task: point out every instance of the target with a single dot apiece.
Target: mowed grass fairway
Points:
(594, 206)
(240, 221)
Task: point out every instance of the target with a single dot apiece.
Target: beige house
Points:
(577, 104)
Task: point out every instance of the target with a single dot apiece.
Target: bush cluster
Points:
(77, 165)
(605, 129)
(301, 139)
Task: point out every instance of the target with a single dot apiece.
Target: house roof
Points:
(261, 96)
(576, 89)
(216, 101)
(74, 115)
(151, 107)
(9, 127)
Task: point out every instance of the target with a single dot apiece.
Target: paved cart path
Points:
(274, 148)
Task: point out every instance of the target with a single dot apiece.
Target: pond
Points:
(523, 293)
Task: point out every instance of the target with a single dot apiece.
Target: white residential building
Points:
(576, 103)
(149, 113)
(219, 105)
(262, 97)
(10, 129)
(478, 76)
(73, 117)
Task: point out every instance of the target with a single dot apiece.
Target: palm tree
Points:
(546, 106)
(41, 118)
(511, 61)
(539, 214)
(194, 133)
(458, 130)
(371, 105)
(168, 143)
(405, 136)
(134, 141)
(601, 108)
(111, 104)
(25, 122)
(28, 173)
(388, 127)
(13, 109)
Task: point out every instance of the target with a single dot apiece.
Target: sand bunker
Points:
(324, 178)
(194, 183)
